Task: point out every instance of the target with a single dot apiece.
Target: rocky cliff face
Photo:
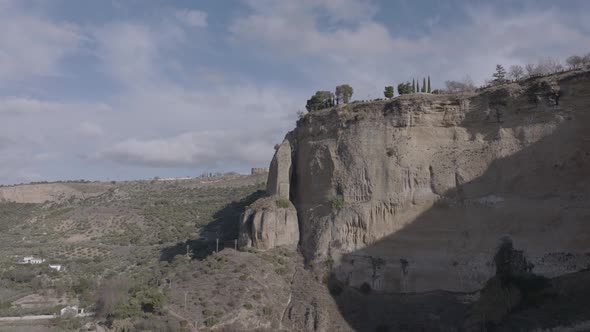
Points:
(414, 194)
(272, 221)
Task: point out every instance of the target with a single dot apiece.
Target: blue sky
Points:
(135, 89)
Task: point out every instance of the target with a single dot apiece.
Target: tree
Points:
(428, 90)
(417, 86)
(530, 69)
(547, 65)
(574, 61)
(343, 93)
(423, 84)
(499, 75)
(516, 72)
(388, 92)
(404, 88)
(466, 85)
(586, 60)
(413, 86)
(321, 99)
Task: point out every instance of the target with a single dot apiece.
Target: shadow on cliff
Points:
(224, 228)
(394, 284)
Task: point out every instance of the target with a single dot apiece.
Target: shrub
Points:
(211, 321)
(283, 203)
(248, 306)
(337, 202)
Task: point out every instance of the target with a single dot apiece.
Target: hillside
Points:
(101, 231)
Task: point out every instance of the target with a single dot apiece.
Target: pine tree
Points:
(413, 86)
(428, 90)
(499, 75)
(423, 84)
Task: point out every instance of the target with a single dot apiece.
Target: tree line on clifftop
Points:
(545, 66)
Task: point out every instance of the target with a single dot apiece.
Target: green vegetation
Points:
(499, 75)
(114, 246)
(321, 99)
(176, 220)
(343, 93)
(337, 202)
(14, 214)
(120, 298)
(283, 203)
(388, 92)
(404, 88)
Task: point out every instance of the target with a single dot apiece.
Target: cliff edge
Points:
(414, 194)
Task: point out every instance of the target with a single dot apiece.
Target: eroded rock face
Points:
(279, 177)
(413, 194)
(272, 221)
(269, 222)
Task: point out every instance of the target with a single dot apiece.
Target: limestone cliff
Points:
(272, 221)
(414, 194)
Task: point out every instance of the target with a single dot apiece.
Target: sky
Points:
(121, 90)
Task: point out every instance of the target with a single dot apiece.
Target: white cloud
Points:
(192, 18)
(32, 45)
(192, 149)
(292, 28)
(22, 105)
(368, 54)
(90, 129)
(128, 52)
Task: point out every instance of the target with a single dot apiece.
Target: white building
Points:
(57, 268)
(71, 311)
(33, 260)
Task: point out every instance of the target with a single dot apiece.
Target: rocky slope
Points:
(52, 192)
(414, 194)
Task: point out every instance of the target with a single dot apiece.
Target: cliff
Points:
(414, 194)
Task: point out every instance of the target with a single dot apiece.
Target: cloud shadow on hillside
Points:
(224, 227)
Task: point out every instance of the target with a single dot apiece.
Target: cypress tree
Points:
(413, 86)
(423, 84)
(417, 86)
(428, 90)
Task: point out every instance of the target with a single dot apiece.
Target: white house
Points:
(73, 311)
(33, 260)
(57, 268)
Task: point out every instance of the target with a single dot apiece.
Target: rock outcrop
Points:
(272, 221)
(413, 194)
(269, 222)
(279, 176)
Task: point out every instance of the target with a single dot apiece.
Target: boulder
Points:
(269, 222)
